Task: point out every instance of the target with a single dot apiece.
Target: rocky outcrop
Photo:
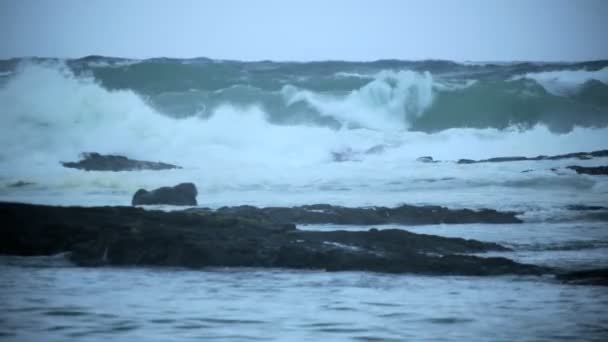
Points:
(593, 170)
(181, 194)
(577, 155)
(404, 214)
(426, 159)
(585, 277)
(133, 236)
(20, 184)
(92, 161)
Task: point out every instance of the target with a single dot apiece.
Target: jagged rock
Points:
(585, 277)
(92, 161)
(133, 236)
(592, 170)
(181, 194)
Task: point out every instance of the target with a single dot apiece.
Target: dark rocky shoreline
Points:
(134, 236)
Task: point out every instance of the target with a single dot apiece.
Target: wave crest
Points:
(389, 102)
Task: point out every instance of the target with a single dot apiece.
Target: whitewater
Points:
(270, 133)
(293, 133)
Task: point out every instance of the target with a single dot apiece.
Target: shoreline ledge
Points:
(128, 236)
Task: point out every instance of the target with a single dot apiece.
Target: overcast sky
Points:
(482, 30)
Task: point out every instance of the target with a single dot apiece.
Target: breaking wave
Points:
(280, 132)
(49, 108)
(427, 96)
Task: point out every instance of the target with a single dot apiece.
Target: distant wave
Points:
(389, 95)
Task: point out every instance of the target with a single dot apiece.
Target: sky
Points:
(304, 30)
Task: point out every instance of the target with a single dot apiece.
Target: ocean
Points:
(294, 133)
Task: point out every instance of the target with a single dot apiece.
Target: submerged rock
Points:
(181, 194)
(592, 170)
(92, 161)
(404, 214)
(133, 236)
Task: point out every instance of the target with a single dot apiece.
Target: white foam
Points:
(237, 157)
(566, 82)
(387, 103)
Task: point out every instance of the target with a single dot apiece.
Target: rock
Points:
(593, 170)
(589, 212)
(600, 153)
(377, 149)
(502, 159)
(98, 236)
(585, 277)
(577, 155)
(582, 207)
(20, 184)
(349, 154)
(181, 194)
(426, 159)
(404, 214)
(92, 161)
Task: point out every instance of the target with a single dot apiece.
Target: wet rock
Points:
(20, 184)
(426, 159)
(377, 149)
(349, 154)
(585, 277)
(503, 159)
(600, 153)
(577, 155)
(181, 194)
(404, 214)
(344, 155)
(592, 170)
(92, 161)
(132, 236)
(582, 207)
